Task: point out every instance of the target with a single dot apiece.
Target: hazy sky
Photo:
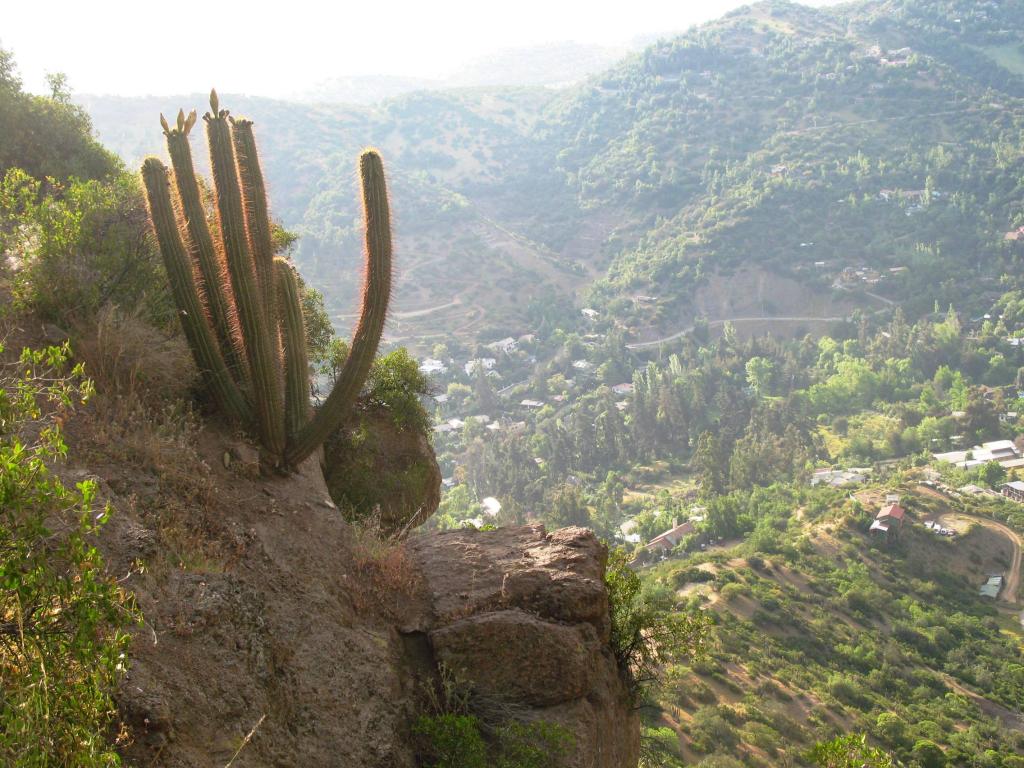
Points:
(143, 47)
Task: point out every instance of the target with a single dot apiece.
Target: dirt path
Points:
(1008, 717)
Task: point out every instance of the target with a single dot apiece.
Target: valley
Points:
(746, 304)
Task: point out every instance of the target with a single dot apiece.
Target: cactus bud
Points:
(214, 102)
(163, 123)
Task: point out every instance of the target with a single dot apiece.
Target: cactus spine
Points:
(240, 306)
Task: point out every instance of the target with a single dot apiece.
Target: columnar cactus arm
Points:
(260, 344)
(190, 308)
(365, 339)
(296, 358)
(211, 264)
(257, 216)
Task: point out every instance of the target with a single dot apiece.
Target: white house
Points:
(996, 450)
(488, 364)
(432, 366)
(505, 346)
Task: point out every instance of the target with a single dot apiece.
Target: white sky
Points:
(143, 47)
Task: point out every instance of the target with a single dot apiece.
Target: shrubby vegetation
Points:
(63, 620)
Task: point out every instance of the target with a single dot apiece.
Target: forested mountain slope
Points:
(877, 134)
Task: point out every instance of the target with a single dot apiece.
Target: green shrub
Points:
(78, 246)
(396, 384)
(452, 741)
(539, 744)
(62, 619)
(647, 631)
(850, 751)
(710, 730)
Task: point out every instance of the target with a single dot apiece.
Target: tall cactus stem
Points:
(211, 264)
(261, 347)
(190, 308)
(257, 215)
(296, 358)
(373, 313)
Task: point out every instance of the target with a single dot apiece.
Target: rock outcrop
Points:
(374, 467)
(266, 613)
(523, 617)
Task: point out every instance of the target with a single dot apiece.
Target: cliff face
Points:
(523, 616)
(266, 614)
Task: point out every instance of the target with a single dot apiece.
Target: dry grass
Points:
(129, 359)
(163, 480)
(385, 563)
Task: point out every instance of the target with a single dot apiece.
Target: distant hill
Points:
(879, 137)
(553, 65)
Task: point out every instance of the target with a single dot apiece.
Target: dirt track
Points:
(1012, 587)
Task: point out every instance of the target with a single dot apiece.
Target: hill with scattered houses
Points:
(868, 153)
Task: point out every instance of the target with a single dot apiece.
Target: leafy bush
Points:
(452, 741)
(80, 245)
(396, 383)
(647, 631)
(62, 620)
(850, 751)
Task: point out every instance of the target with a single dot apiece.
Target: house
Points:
(582, 365)
(996, 450)
(992, 587)
(1013, 490)
(505, 346)
(488, 364)
(892, 498)
(628, 531)
(432, 366)
(532, 404)
(590, 314)
(889, 518)
(623, 389)
(839, 477)
(665, 542)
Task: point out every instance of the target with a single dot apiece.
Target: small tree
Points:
(647, 630)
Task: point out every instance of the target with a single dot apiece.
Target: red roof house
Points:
(889, 517)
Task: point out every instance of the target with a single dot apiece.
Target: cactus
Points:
(239, 304)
